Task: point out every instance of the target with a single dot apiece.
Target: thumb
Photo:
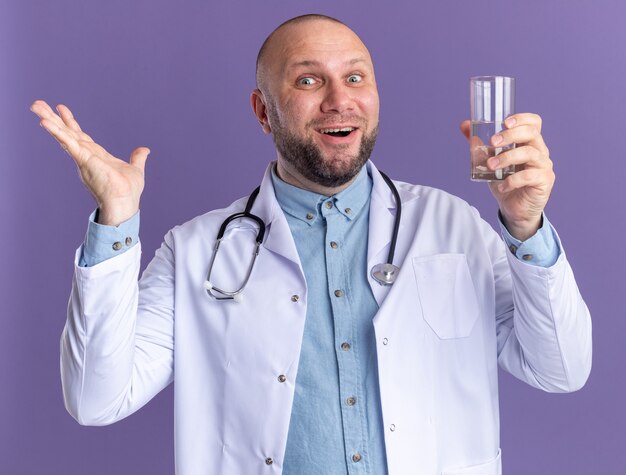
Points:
(465, 128)
(139, 156)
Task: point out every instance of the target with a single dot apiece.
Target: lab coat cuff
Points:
(104, 242)
(541, 249)
(130, 257)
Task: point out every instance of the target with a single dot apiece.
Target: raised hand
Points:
(522, 196)
(115, 184)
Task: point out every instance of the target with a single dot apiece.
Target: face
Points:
(321, 101)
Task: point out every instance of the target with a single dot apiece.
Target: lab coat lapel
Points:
(382, 213)
(381, 221)
(278, 237)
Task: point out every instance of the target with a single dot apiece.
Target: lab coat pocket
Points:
(447, 294)
(493, 467)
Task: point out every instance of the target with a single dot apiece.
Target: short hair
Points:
(292, 21)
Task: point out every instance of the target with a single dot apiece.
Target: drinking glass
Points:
(492, 100)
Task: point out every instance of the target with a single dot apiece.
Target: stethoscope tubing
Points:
(384, 274)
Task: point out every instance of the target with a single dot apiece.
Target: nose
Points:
(337, 98)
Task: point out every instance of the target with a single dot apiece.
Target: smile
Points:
(342, 132)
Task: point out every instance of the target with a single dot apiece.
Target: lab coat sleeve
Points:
(543, 324)
(117, 344)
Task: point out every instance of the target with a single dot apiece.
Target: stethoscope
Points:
(384, 274)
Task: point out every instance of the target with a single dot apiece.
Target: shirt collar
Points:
(309, 206)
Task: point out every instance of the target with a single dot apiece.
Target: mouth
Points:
(337, 132)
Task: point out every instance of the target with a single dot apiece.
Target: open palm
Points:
(115, 184)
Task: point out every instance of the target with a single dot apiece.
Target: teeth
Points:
(330, 131)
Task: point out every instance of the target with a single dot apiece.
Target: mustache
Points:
(338, 119)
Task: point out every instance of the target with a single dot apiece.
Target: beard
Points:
(307, 158)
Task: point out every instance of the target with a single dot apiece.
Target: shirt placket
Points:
(346, 347)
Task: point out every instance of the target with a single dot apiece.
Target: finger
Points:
(524, 118)
(69, 120)
(531, 177)
(523, 134)
(44, 111)
(517, 134)
(63, 136)
(522, 128)
(525, 155)
(68, 117)
(465, 129)
(139, 156)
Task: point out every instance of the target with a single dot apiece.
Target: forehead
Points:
(316, 43)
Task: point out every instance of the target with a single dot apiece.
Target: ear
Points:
(260, 110)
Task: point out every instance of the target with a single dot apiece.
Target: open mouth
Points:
(342, 132)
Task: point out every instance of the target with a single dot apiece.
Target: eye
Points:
(354, 78)
(306, 81)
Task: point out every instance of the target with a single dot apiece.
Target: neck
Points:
(288, 174)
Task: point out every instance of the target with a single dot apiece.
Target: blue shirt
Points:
(336, 421)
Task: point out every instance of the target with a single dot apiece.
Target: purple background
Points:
(178, 78)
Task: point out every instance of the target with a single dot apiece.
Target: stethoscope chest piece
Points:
(385, 274)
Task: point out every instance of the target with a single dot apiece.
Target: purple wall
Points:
(178, 79)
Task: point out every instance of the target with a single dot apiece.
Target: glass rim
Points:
(484, 78)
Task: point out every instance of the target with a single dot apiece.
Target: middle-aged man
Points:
(319, 369)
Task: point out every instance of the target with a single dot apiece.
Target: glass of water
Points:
(492, 100)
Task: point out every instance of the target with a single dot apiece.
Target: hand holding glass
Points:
(492, 100)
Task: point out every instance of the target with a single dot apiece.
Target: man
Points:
(319, 368)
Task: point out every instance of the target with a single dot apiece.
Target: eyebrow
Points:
(312, 62)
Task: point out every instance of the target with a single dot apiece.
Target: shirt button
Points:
(295, 298)
(282, 378)
(129, 241)
(333, 244)
(513, 248)
(338, 293)
(392, 427)
(345, 346)
(309, 216)
(117, 246)
(328, 204)
(348, 210)
(356, 457)
(351, 401)
(269, 461)
(385, 341)
(527, 257)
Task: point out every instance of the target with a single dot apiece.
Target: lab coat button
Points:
(392, 427)
(328, 204)
(129, 241)
(345, 346)
(117, 246)
(385, 341)
(348, 210)
(269, 461)
(333, 244)
(513, 248)
(338, 293)
(295, 298)
(309, 216)
(356, 457)
(527, 257)
(282, 378)
(351, 401)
